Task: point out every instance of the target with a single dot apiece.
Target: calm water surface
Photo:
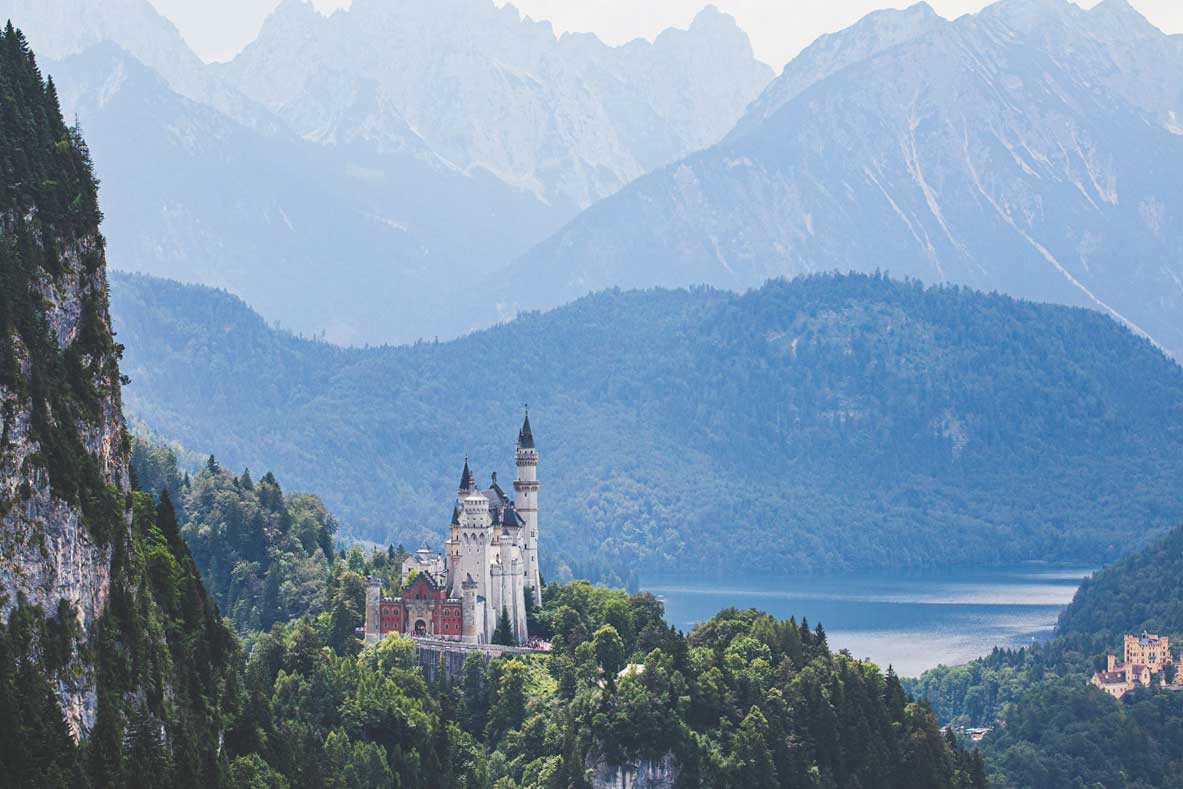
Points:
(913, 622)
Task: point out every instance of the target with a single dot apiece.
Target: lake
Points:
(911, 621)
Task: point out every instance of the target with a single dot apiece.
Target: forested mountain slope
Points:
(1030, 148)
(113, 663)
(825, 423)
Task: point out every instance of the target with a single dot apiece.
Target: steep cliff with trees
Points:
(113, 661)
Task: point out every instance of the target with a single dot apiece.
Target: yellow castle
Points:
(1146, 656)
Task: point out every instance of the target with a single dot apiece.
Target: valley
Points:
(818, 397)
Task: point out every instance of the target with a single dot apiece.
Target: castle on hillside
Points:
(1146, 656)
(490, 564)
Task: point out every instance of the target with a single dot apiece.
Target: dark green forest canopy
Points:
(831, 422)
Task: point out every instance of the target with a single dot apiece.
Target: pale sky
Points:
(218, 29)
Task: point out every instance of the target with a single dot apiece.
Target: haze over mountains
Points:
(409, 169)
(1032, 148)
(393, 153)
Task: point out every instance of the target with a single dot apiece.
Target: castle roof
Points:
(456, 515)
(526, 435)
(466, 482)
(510, 517)
(496, 495)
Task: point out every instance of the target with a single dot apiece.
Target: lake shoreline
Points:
(912, 621)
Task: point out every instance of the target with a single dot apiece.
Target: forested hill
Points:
(823, 423)
(1143, 591)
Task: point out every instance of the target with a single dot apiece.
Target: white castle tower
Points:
(526, 502)
(490, 564)
(492, 553)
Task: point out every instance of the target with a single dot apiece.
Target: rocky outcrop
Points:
(640, 774)
(49, 551)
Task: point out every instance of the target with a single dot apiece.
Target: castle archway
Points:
(420, 628)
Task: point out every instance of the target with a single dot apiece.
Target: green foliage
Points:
(1064, 734)
(155, 469)
(1139, 592)
(837, 422)
(609, 651)
(503, 633)
(49, 239)
(263, 554)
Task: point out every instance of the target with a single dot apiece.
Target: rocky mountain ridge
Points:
(109, 647)
(398, 153)
(567, 118)
(1024, 149)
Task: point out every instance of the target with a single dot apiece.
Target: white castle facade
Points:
(490, 564)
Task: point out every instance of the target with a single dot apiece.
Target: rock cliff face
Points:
(642, 774)
(47, 553)
(63, 451)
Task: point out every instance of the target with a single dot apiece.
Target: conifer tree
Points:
(503, 634)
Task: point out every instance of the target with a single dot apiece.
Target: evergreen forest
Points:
(825, 424)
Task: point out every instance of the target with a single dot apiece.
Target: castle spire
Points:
(466, 482)
(526, 435)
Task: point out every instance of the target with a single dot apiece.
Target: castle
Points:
(1146, 656)
(490, 564)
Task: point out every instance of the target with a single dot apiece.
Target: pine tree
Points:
(166, 521)
(503, 635)
(147, 761)
(893, 696)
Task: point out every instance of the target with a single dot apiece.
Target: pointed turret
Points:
(466, 481)
(526, 435)
(456, 515)
(526, 505)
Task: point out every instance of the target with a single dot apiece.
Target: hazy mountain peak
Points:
(569, 120)
(1022, 15)
(1024, 149)
(874, 33)
(1121, 18)
(710, 15)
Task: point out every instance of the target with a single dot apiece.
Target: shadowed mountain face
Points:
(827, 423)
(1032, 148)
(355, 175)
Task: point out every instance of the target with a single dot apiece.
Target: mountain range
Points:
(1030, 148)
(823, 424)
(395, 153)
(406, 169)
